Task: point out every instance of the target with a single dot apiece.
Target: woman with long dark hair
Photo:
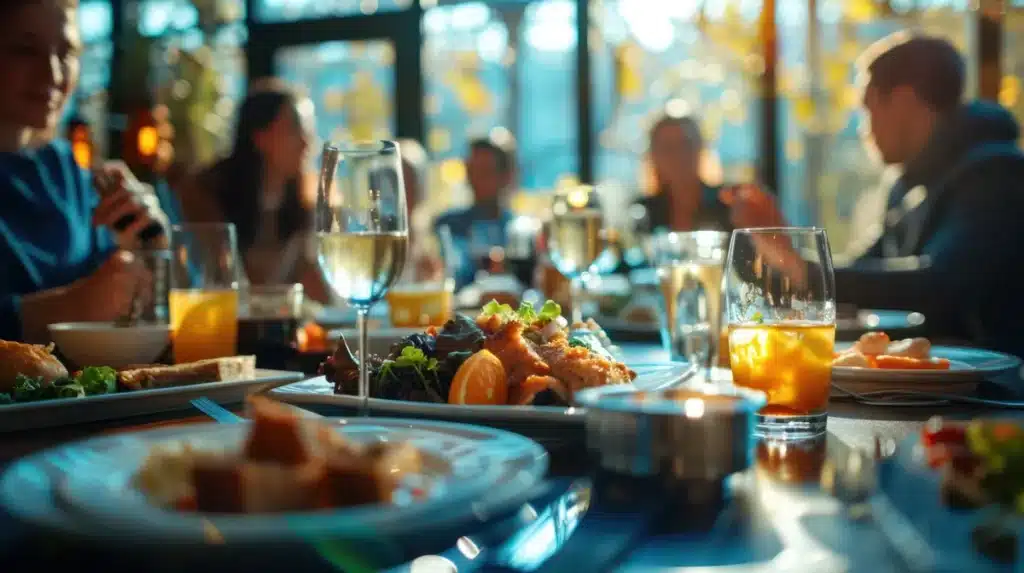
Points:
(259, 187)
(682, 200)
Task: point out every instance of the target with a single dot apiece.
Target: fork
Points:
(220, 414)
(921, 398)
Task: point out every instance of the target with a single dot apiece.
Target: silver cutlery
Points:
(921, 398)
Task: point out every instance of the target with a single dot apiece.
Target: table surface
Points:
(854, 425)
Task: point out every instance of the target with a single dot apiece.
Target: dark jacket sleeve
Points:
(974, 250)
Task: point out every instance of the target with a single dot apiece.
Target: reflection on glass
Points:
(792, 461)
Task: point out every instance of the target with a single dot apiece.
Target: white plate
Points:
(968, 366)
(319, 392)
(49, 413)
(86, 488)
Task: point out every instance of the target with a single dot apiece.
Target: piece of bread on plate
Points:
(226, 369)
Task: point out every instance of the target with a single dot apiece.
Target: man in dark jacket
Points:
(953, 240)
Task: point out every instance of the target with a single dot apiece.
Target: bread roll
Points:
(30, 360)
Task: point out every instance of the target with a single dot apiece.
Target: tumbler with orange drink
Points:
(203, 298)
(780, 304)
(790, 362)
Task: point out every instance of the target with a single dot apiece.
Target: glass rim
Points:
(364, 147)
(780, 231)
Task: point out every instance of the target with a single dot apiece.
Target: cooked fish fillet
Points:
(580, 368)
(516, 353)
(212, 370)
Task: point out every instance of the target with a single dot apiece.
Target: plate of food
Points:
(38, 391)
(504, 365)
(960, 485)
(278, 478)
(876, 360)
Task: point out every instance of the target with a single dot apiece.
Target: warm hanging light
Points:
(81, 142)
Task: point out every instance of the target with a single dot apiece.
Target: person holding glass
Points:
(259, 187)
(490, 169)
(950, 244)
(65, 239)
(682, 200)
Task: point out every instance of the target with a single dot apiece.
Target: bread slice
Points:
(212, 370)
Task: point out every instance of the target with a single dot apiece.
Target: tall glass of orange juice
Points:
(780, 305)
(203, 299)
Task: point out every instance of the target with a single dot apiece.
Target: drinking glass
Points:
(690, 268)
(203, 299)
(574, 239)
(362, 228)
(781, 308)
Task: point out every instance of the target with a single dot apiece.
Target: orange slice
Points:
(480, 380)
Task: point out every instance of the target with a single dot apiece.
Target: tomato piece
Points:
(938, 431)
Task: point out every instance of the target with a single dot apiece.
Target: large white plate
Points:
(320, 393)
(86, 488)
(49, 413)
(968, 366)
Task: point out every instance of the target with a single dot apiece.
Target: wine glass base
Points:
(783, 427)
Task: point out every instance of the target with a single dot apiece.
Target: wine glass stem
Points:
(364, 372)
(576, 298)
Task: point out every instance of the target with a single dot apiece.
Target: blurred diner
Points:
(259, 186)
(681, 200)
(475, 230)
(950, 242)
(67, 238)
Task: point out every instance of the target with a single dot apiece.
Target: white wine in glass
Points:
(362, 229)
(574, 238)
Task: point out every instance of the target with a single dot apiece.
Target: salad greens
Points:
(89, 382)
(415, 360)
(525, 314)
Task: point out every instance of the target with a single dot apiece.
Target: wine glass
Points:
(362, 229)
(781, 309)
(574, 239)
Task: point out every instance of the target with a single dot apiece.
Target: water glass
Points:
(690, 267)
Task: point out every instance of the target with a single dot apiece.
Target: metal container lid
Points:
(690, 433)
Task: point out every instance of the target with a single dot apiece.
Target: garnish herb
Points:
(414, 359)
(574, 341)
(526, 314)
(89, 382)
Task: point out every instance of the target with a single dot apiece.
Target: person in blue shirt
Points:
(490, 169)
(61, 258)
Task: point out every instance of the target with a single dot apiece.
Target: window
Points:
(195, 62)
(292, 10)
(89, 102)
(1013, 61)
(351, 85)
(827, 175)
(687, 58)
(497, 69)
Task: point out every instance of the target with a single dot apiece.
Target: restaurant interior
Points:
(442, 286)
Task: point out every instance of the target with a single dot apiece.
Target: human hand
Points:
(129, 208)
(109, 292)
(750, 207)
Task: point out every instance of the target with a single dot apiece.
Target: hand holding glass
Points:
(362, 228)
(780, 303)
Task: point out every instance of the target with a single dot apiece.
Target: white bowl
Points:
(106, 344)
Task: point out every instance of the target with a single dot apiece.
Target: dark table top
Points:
(849, 425)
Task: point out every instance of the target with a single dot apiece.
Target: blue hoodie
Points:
(959, 209)
(47, 238)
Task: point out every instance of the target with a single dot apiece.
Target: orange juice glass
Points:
(781, 310)
(204, 323)
(428, 304)
(203, 299)
(790, 362)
